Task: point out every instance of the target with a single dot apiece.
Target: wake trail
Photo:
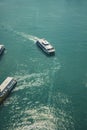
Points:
(27, 36)
(22, 34)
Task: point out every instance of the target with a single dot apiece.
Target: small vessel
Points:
(6, 87)
(2, 48)
(45, 46)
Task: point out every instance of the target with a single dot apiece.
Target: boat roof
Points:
(44, 41)
(1, 46)
(49, 47)
(5, 83)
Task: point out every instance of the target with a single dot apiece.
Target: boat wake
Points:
(27, 36)
(24, 35)
(29, 80)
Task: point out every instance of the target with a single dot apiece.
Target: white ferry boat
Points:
(45, 46)
(2, 48)
(6, 87)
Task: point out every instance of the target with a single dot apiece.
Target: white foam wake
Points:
(27, 36)
(24, 35)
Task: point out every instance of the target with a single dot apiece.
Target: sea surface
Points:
(51, 92)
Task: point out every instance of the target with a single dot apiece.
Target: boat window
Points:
(50, 48)
(45, 43)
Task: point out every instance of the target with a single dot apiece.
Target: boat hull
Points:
(2, 50)
(44, 50)
(5, 95)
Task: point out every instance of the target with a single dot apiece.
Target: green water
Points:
(51, 93)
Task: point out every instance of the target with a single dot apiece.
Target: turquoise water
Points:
(51, 93)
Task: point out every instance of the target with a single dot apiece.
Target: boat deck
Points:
(5, 83)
